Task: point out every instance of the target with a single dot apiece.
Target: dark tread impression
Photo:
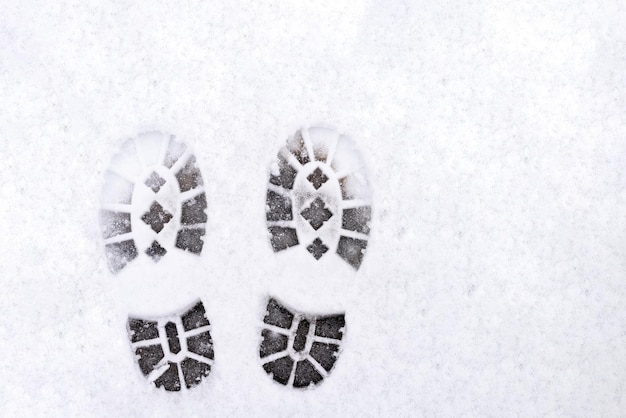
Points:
(299, 350)
(318, 195)
(162, 168)
(186, 355)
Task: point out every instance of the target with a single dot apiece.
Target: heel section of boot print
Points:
(174, 352)
(297, 349)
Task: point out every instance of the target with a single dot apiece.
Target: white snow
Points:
(494, 141)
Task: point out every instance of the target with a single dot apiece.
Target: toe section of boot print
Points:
(153, 201)
(174, 352)
(319, 198)
(299, 350)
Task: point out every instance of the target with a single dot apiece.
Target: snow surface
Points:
(493, 133)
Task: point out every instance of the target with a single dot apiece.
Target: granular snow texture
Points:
(494, 138)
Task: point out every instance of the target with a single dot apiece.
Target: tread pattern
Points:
(173, 352)
(299, 350)
(153, 200)
(318, 195)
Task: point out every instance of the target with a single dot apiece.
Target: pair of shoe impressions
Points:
(318, 210)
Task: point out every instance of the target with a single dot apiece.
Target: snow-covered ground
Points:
(494, 137)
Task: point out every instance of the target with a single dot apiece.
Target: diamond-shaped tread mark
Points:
(317, 248)
(156, 251)
(156, 217)
(155, 181)
(317, 178)
(316, 213)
